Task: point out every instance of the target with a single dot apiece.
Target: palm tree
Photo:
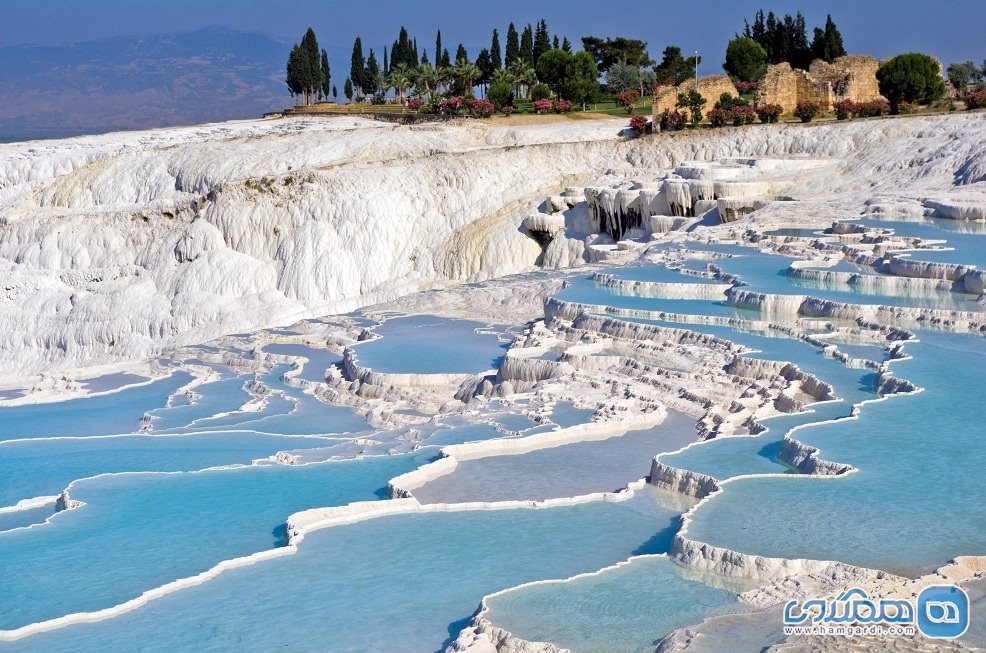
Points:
(443, 76)
(502, 75)
(524, 77)
(426, 78)
(400, 79)
(466, 72)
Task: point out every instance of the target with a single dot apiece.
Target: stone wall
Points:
(788, 86)
(711, 87)
(852, 77)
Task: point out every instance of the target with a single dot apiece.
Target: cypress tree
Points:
(293, 73)
(386, 65)
(542, 42)
(513, 46)
(834, 47)
(424, 57)
(414, 54)
(438, 49)
(326, 75)
(527, 45)
(347, 89)
(566, 45)
(371, 81)
(495, 57)
(357, 65)
(335, 92)
(309, 66)
(485, 64)
(446, 59)
(554, 44)
(461, 54)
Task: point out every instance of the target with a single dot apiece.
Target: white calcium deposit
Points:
(122, 246)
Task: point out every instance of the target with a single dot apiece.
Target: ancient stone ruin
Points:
(711, 88)
(847, 78)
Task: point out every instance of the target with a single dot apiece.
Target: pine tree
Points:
(485, 64)
(513, 46)
(446, 59)
(542, 42)
(371, 76)
(495, 57)
(834, 47)
(554, 44)
(461, 54)
(424, 58)
(326, 75)
(527, 45)
(566, 45)
(356, 66)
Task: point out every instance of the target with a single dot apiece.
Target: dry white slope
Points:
(120, 246)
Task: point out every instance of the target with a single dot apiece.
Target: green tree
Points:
(386, 63)
(501, 93)
(911, 78)
(621, 77)
(556, 44)
(962, 74)
(424, 58)
(581, 82)
(293, 72)
(527, 45)
(401, 77)
(357, 65)
(347, 89)
(606, 52)
(524, 77)
(496, 58)
(446, 60)
(827, 43)
(746, 59)
(566, 45)
(542, 41)
(460, 53)
(552, 68)
(513, 46)
(693, 101)
(438, 49)
(326, 75)
(674, 68)
(372, 76)
(485, 64)
(335, 92)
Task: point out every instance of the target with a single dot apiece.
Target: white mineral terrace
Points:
(124, 253)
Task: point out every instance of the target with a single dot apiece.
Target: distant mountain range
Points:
(210, 74)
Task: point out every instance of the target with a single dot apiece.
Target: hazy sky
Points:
(949, 29)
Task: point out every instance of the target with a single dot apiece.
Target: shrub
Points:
(542, 106)
(638, 124)
(415, 103)
(501, 94)
(693, 101)
(672, 120)
(911, 77)
(507, 109)
(540, 92)
(628, 99)
(378, 99)
(742, 115)
(561, 106)
(482, 108)
(747, 87)
(906, 108)
(718, 117)
(806, 111)
(975, 100)
(844, 109)
(450, 106)
(874, 108)
(727, 102)
(769, 112)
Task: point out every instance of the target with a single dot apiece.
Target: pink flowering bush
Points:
(975, 100)
(769, 112)
(747, 87)
(718, 117)
(742, 115)
(482, 108)
(451, 105)
(845, 109)
(561, 106)
(806, 111)
(628, 99)
(672, 120)
(873, 108)
(415, 103)
(507, 109)
(638, 124)
(542, 106)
